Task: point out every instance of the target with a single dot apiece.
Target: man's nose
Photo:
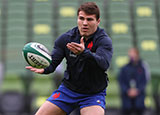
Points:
(85, 22)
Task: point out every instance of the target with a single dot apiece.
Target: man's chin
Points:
(84, 35)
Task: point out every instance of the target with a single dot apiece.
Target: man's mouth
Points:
(84, 29)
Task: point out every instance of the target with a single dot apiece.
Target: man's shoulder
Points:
(101, 31)
(101, 34)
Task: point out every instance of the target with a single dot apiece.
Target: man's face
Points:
(133, 54)
(87, 24)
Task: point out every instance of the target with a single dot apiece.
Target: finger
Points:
(76, 46)
(82, 40)
(28, 67)
(33, 69)
(71, 47)
(39, 71)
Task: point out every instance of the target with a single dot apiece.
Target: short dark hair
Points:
(89, 8)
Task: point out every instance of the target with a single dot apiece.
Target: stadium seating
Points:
(0, 22)
(43, 30)
(146, 30)
(67, 15)
(120, 31)
(144, 8)
(158, 6)
(144, 15)
(16, 35)
(118, 5)
(146, 22)
(158, 10)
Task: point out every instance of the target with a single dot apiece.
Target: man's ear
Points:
(98, 21)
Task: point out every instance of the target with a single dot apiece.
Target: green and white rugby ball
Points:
(36, 55)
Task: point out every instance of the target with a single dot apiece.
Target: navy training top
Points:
(85, 73)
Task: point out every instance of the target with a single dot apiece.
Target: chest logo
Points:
(90, 45)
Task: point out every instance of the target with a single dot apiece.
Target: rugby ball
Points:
(36, 55)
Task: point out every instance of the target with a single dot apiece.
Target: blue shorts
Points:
(68, 100)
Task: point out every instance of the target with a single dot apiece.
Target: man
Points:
(133, 79)
(88, 51)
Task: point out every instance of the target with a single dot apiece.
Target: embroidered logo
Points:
(71, 54)
(56, 95)
(90, 45)
(98, 101)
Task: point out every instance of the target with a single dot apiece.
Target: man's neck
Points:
(86, 38)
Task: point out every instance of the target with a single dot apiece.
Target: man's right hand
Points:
(133, 92)
(40, 71)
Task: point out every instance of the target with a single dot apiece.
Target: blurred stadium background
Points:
(128, 22)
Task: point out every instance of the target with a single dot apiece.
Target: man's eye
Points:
(89, 19)
(81, 18)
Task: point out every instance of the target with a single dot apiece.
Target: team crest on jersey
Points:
(90, 45)
(56, 95)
